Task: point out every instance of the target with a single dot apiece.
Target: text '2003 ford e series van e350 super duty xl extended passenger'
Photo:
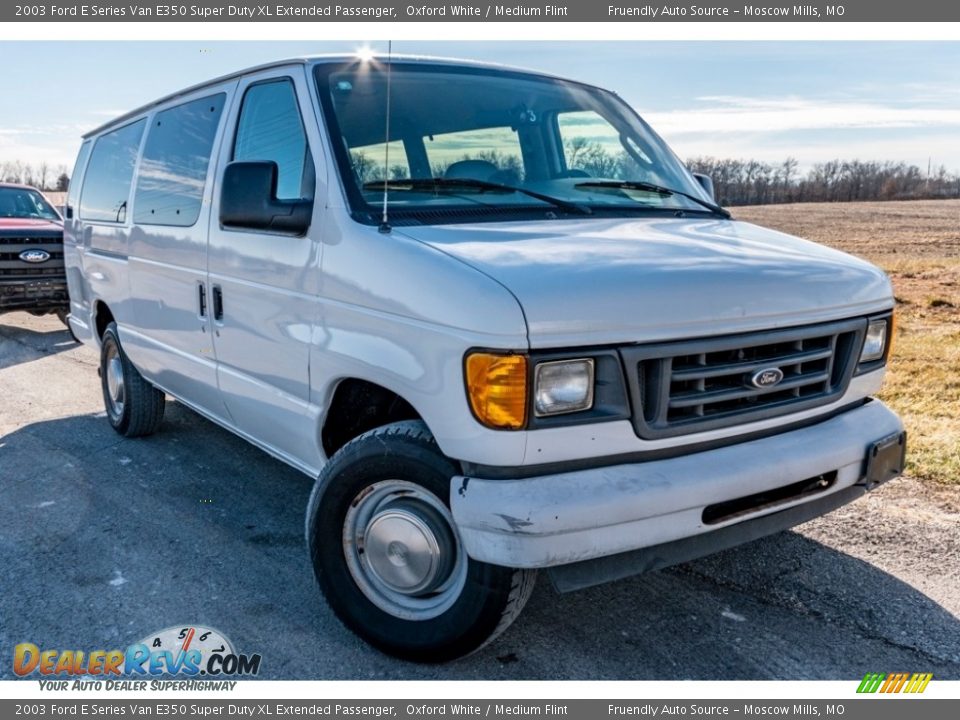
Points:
(491, 313)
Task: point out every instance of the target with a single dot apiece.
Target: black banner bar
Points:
(511, 11)
(855, 709)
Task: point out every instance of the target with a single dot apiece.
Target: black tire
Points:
(491, 596)
(140, 409)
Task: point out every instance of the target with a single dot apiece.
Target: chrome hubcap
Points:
(402, 550)
(115, 387)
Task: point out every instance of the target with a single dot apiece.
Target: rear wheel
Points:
(134, 406)
(387, 556)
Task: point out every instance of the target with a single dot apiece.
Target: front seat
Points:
(472, 169)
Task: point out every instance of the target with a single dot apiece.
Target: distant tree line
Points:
(40, 175)
(737, 182)
(750, 182)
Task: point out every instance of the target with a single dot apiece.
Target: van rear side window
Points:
(173, 170)
(73, 189)
(106, 183)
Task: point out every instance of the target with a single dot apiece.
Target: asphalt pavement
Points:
(104, 540)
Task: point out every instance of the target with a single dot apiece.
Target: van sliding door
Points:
(169, 332)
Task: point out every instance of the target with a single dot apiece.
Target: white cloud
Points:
(940, 147)
(55, 144)
(733, 114)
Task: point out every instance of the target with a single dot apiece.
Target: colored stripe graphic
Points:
(871, 682)
(898, 683)
(894, 683)
(918, 682)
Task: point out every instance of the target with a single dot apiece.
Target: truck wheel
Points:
(387, 555)
(134, 406)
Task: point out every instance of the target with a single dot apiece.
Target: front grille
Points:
(14, 257)
(13, 268)
(30, 272)
(693, 386)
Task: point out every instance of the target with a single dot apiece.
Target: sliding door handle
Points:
(217, 303)
(202, 292)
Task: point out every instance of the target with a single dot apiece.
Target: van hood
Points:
(598, 281)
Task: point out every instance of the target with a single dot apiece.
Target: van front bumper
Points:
(572, 517)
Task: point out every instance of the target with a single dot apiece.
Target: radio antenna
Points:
(384, 220)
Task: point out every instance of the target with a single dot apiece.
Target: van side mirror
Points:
(706, 182)
(248, 199)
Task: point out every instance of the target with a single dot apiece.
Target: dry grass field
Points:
(918, 244)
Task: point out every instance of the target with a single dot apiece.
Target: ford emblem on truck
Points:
(766, 378)
(34, 256)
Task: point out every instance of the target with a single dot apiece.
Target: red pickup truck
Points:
(32, 274)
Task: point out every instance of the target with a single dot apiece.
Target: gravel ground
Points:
(104, 540)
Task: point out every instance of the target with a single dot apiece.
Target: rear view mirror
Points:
(706, 182)
(248, 199)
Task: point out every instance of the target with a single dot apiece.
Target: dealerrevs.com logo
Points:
(182, 651)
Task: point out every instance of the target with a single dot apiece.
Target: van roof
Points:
(303, 60)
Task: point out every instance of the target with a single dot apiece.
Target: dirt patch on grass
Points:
(918, 244)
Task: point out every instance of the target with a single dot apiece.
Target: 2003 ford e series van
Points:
(491, 313)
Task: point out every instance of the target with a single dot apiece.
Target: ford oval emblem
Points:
(34, 256)
(766, 378)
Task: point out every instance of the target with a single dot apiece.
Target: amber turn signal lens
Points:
(497, 388)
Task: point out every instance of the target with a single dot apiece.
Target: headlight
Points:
(564, 386)
(875, 342)
(497, 389)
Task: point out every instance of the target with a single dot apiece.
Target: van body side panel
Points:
(74, 249)
(269, 284)
(166, 336)
(402, 315)
(108, 274)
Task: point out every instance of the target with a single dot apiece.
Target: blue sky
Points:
(810, 100)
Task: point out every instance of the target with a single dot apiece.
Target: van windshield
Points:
(472, 143)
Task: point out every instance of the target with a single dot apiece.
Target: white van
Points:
(494, 316)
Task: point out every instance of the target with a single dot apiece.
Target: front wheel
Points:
(387, 556)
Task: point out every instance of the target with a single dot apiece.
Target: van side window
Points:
(106, 183)
(173, 170)
(270, 128)
(73, 189)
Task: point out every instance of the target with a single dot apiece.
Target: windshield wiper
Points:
(440, 183)
(650, 187)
